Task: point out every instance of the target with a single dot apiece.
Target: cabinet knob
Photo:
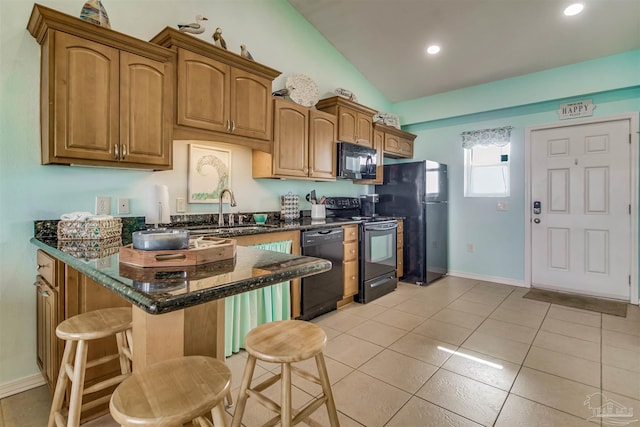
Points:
(44, 294)
(41, 266)
(124, 151)
(116, 153)
(228, 125)
(233, 126)
(353, 251)
(353, 277)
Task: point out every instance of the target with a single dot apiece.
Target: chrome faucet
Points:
(232, 203)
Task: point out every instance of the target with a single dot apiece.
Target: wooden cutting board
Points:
(213, 249)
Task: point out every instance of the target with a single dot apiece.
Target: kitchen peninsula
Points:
(184, 313)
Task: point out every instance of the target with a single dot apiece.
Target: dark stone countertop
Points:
(166, 289)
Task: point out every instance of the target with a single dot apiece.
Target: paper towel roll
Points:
(157, 206)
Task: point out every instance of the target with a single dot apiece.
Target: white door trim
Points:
(633, 121)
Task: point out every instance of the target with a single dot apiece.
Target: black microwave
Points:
(356, 161)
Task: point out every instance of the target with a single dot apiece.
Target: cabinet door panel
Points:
(365, 130)
(290, 145)
(203, 92)
(47, 343)
(348, 123)
(86, 99)
(145, 116)
(350, 278)
(322, 145)
(250, 105)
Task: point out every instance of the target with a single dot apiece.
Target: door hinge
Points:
(629, 138)
(629, 208)
(629, 280)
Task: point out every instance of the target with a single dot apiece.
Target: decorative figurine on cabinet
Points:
(93, 11)
(245, 53)
(218, 40)
(194, 27)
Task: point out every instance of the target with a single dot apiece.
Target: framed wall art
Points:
(209, 173)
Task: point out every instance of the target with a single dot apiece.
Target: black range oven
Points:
(377, 248)
(377, 259)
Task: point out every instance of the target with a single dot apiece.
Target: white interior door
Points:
(581, 237)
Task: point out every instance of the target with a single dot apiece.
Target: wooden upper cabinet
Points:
(397, 143)
(291, 140)
(106, 98)
(85, 106)
(355, 121)
(304, 145)
(322, 145)
(221, 95)
(145, 119)
(251, 105)
(198, 78)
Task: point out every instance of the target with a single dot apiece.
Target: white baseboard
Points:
(23, 384)
(495, 279)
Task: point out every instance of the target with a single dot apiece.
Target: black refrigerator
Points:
(418, 191)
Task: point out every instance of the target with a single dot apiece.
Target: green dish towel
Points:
(245, 311)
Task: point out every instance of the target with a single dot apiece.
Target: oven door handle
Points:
(380, 282)
(373, 227)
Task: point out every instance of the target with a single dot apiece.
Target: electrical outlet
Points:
(103, 263)
(180, 205)
(103, 205)
(123, 206)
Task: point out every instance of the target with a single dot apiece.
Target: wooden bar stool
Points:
(77, 332)
(172, 393)
(285, 342)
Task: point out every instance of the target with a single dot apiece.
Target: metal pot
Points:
(162, 239)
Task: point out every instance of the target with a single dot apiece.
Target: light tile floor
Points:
(459, 352)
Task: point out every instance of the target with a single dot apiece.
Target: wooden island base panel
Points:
(192, 331)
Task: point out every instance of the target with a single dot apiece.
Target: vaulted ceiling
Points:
(481, 40)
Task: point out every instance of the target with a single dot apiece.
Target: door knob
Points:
(536, 220)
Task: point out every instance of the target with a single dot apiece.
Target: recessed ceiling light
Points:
(433, 49)
(574, 9)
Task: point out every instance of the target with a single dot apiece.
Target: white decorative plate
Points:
(303, 90)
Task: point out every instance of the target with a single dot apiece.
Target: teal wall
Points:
(275, 34)
(278, 37)
(497, 236)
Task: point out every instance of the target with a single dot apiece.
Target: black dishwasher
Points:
(320, 293)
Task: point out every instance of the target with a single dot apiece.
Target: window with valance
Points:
(487, 162)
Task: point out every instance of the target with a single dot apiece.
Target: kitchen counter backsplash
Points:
(49, 227)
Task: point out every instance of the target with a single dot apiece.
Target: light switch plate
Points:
(180, 205)
(103, 205)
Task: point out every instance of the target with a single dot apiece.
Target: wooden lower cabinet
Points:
(61, 293)
(48, 315)
(350, 261)
(400, 251)
(47, 346)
